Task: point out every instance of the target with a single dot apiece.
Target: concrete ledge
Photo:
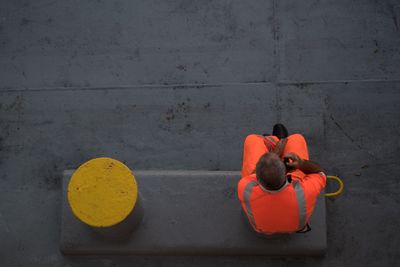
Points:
(190, 212)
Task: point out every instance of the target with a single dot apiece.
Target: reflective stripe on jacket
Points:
(286, 210)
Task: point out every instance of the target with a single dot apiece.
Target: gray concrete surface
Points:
(190, 213)
(177, 85)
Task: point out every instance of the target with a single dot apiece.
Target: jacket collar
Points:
(274, 191)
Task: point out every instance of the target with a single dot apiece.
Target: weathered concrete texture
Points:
(148, 127)
(352, 134)
(96, 43)
(338, 40)
(48, 123)
(191, 212)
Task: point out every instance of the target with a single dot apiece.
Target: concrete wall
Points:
(178, 85)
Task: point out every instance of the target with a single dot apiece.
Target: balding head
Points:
(271, 171)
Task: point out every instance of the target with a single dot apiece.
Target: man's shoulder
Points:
(245, 180)
(248, 178)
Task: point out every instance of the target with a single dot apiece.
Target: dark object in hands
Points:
(288, 168)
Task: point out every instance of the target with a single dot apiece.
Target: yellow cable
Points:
(341, 186)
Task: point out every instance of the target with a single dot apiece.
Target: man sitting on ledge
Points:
(279, 185)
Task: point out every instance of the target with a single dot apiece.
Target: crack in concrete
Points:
(351, 138)
(396, 17)
(344, 131)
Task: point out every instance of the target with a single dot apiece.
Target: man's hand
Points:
(293, 161)
(280, 146)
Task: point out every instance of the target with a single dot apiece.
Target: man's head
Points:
(271, 171)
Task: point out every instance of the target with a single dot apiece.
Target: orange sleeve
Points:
(312, 185)
(314, 182)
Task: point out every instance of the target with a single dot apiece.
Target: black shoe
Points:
(280, 131)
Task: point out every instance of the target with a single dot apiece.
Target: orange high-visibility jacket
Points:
(288, 209)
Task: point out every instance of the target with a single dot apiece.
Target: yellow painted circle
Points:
(102, 192)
